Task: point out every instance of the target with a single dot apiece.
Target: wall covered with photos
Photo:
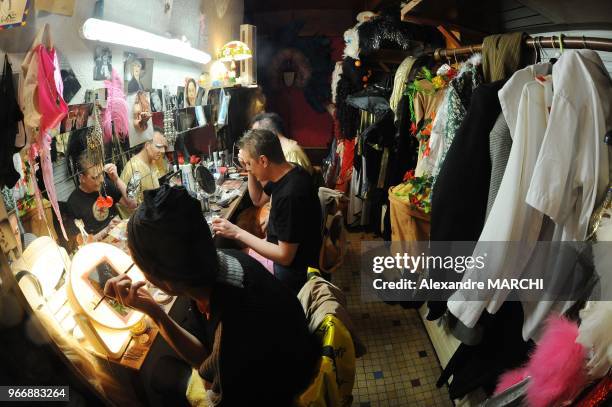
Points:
(186, 18)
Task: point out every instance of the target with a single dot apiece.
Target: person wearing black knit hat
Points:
(257, 346)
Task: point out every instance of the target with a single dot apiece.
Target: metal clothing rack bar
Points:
(560, 42)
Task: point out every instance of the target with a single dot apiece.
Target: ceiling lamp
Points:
(113, 33)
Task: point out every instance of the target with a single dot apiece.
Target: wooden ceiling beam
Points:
(435, 23)
(451, 40)
(409, 6)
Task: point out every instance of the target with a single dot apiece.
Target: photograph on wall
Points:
(200, 97)
(77, 117)
(169, 99)
(71, 84)
(138, 73)
(13, 13)
(191, 92)
(201, 118)
(141, 126)
(103, 64)
(180, 97)
(157, 101)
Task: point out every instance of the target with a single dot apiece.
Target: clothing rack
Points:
(561, 42)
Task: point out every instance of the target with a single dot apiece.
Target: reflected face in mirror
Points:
(191, 92)
(91, 179)
(156, 147)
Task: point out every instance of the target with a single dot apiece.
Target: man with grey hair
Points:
(293, 239)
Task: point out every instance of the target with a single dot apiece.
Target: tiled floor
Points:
(400, 368)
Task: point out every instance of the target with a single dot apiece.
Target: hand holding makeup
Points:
(130, 294)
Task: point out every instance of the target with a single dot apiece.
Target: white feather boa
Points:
(594, 335)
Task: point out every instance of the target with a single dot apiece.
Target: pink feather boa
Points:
(116, 109)
(556, 367)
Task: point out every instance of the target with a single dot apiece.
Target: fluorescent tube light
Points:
(106, 31)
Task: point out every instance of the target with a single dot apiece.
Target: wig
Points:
(391, 33)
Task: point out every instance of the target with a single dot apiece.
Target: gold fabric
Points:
(501, 55)
(407, 224)
(294, 154)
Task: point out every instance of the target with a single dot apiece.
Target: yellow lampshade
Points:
(234, 51)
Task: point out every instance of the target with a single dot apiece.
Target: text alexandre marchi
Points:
(412, 264)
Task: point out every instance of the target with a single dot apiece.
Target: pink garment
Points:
(51, 104)
(116, 111)
(53, 109)
(267, 263)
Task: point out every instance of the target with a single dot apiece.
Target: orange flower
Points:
(413, 128)
(409, 175)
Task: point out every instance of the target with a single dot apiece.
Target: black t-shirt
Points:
(266, 352)
(83, 206)
(295, 216)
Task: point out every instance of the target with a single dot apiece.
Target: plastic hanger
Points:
(557, 54)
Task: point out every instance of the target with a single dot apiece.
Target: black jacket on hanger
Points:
(459, 200)
(10, 116)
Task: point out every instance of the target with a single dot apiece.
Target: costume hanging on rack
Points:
(500, 144)
(563, 176)
(10, 116)
(43, 106)
(502, 55)
(456, 103)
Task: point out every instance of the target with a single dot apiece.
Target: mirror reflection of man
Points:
(142, 170)
(97, 181)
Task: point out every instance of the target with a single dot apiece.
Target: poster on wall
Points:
(141, 124)
(138, 73)
(77, 117)
(191, 92)
(103, 64)
(13, 13)
(156, 100)
(62, 7)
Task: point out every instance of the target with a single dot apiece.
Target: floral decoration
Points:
(416, 191)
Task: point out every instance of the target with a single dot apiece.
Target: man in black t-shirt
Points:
(94, 201)
(294, 228)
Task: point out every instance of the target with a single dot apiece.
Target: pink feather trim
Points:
(556, 367)
(509, 379)
(116, 109)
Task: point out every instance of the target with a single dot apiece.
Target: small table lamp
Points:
(234, 51)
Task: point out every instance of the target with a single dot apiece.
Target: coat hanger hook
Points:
(584, 45)
(561, 43)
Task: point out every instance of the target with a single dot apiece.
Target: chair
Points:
(333, 231)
